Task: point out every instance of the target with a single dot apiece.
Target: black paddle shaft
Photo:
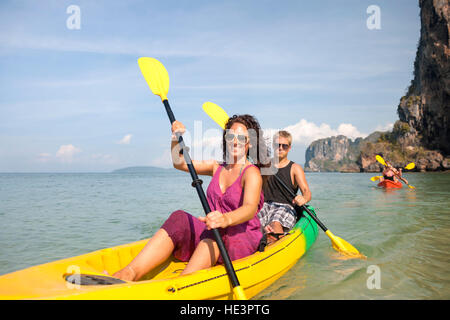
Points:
(197, 184)
(303, 207)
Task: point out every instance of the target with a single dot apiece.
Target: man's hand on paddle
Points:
(299, 200)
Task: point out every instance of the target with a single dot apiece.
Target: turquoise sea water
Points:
(404, 233)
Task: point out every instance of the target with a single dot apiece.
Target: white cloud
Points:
(128, 46)
(67, 152)
(126, 139)
(255, 86)
(386, 127)
(349, 131)
(304, 132)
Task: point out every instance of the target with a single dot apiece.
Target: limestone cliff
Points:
(331, 154)
(422, 133)
(425, 110)
(341, 154)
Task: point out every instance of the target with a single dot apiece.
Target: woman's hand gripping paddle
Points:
(339, 244)
(158, 80)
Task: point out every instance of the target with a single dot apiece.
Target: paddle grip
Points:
(201, 194)
(312, 215)
(169, 111)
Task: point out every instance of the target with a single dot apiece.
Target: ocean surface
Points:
(404, 233)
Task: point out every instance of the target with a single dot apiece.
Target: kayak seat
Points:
(92, 280)
(263, 242)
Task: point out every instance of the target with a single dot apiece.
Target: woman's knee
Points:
(178, 215)
(213, 249)
(178, 219)
(175, 226)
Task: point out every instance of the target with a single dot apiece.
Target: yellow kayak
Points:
(82, 277)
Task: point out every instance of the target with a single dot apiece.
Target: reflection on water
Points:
(404, 232)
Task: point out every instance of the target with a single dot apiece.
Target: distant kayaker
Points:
(234, 196)
(391, 173)
(278, 214)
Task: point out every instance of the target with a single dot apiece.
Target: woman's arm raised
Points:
(205, 167)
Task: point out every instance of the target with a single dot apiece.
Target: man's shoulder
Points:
(295, 166)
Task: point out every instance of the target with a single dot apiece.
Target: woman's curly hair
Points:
(258, 152)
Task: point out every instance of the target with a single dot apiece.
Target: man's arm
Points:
(299, 180)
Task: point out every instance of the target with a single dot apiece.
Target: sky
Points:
(72, 97)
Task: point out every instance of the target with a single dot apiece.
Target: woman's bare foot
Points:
(271, 238)
(273, 232)
(126, 274)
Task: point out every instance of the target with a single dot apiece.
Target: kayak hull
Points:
(255, 273)
(390, 184)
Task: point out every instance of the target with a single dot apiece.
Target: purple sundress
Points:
(241, 240)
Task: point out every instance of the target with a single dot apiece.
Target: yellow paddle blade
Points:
(344, 247)
(239, 293)
(380, 160)
(410, 166)
(216, 113)
(376, 178)
(156, 76)
(411, 187)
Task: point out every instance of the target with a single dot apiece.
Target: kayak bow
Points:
(390, 184)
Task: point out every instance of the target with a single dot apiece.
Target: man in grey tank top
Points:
(278, 214)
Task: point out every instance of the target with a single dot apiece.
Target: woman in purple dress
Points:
(234, 196)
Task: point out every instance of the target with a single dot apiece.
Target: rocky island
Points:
(422, 133)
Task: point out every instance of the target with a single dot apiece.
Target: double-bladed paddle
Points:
(408, 167)
(339, 244)
(158, 80)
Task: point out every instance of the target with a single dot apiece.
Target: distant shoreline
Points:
(156, 169)
(135, 169)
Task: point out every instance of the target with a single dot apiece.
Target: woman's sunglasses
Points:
(283, 145)
(241, 138)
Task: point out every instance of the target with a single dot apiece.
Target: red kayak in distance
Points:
(390, 184)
